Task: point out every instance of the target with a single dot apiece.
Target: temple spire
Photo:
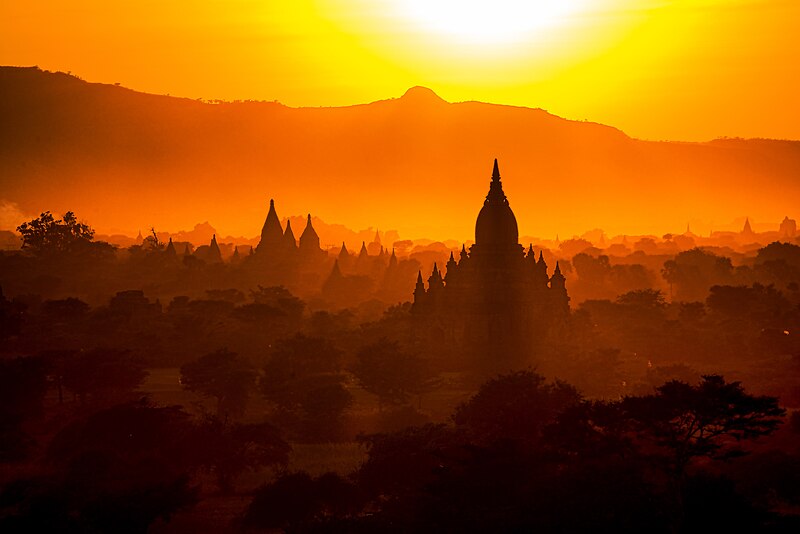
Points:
(435, 280)
(496, 193)
(214, 254)
(271, 232)
(452, 265)
(309, 240)
(288, 236)
(463, 255)
(419, 294)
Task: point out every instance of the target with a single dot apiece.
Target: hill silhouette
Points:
(128, 160)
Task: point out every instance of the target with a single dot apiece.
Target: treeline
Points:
(522, 453)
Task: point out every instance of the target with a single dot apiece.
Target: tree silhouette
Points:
(303, 378)
(297, 365)
(227, 450)
(514, 406)
(224, 376)
(705, 420)
(392, 374)
(48, 234)
(120, 469)
(102, 374)
(693, 271)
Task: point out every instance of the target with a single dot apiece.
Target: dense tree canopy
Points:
(48, 234)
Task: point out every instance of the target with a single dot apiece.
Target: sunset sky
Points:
(657, 69)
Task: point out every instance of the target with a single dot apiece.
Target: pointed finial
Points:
(558, 269)
(451, 256)
(495, 172)
(419, 277)
(271, 203)
(309, 219)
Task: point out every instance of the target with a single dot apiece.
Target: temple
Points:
(497, 300)
(279, 246)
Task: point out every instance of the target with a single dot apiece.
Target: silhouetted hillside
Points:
(416, 163)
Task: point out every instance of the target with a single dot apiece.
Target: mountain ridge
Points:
(415, 162)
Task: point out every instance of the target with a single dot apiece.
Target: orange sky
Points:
(657, 69)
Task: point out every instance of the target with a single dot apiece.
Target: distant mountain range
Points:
(125, 160)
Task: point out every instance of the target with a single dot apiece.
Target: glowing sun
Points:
(490, 21)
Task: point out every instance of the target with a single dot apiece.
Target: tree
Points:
(392, 374)
(224, 376)
(103, 374)
(298, 365)
(707, 420)
(152, 242)
(280, 298)
(230, 449)
(514, 406)
(303, 378)
(643, 299)
(693, 271)
(763, 303)
(47, 234)
(117, 470)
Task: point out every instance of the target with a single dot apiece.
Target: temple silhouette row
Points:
(497, 300)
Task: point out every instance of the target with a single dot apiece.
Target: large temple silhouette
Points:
(497, 300)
